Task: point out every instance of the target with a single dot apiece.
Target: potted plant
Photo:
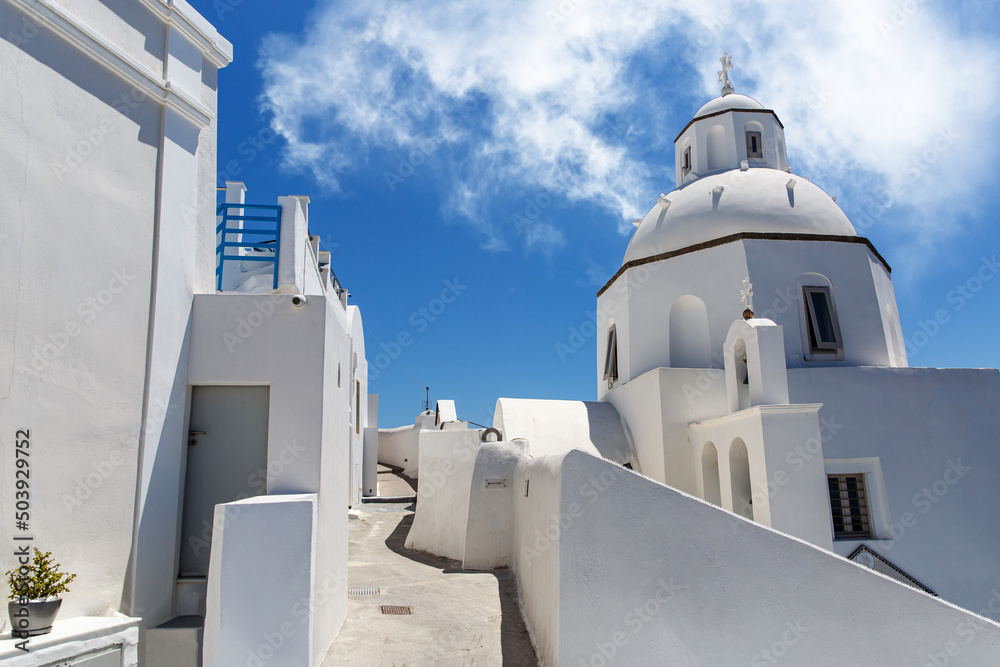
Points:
(34, 595)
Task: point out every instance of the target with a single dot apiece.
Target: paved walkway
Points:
(459, 618)
(392, 482)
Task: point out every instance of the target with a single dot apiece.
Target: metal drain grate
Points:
(396, 610)
(361, 591)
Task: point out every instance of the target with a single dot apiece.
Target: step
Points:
(177, 642)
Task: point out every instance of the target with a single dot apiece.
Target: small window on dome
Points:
(611, 360)
(755, 147)
(821, 318)
(687, 160)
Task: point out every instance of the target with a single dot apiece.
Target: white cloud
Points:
(519, 92)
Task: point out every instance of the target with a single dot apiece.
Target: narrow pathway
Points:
(459, 618)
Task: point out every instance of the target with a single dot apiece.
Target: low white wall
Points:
(266, 616)
(490, 529)
(650, 575)
(554, 427)
(538, 519)
(398, 447)
(447, 459)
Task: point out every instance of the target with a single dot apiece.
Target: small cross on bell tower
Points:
(746, 296)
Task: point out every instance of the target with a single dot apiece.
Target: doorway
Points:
(226, 461)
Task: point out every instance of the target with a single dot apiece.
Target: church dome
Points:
(756, 200)
(726, 103)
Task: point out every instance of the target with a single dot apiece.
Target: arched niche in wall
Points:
(710, 473)
(742, 374)
(690, 346)
(717, 153)
(739, 474)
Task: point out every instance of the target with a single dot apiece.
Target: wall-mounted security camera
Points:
(298, 300)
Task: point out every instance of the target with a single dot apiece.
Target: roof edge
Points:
(744, 236)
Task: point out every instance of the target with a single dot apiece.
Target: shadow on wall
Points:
(514, 639)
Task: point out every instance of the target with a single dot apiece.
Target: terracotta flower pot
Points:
(34, 618)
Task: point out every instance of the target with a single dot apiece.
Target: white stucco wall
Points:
(658, 406)
(490, 530)
(296, 351)
(553, 427)
(93, 135)
(447, 463)
(933, 431)
(703, 587)
(538, 522)
(399, 447)
(248, 612)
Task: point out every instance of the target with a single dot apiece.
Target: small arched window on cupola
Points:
(611, 359)
(821, 333)
(755, 140)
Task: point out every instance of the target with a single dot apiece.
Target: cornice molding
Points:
(57, 19)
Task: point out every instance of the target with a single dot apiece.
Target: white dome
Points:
(726, 102)
(756, 200)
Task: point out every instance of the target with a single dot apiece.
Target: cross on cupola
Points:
(746, 296)
(727, 64)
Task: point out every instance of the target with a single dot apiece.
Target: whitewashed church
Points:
(761, 478)
(751, 366)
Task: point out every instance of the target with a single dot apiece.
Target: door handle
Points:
(192, 439)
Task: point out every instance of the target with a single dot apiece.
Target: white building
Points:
(773, 442)
(190, 428)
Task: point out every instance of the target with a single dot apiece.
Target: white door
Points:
(226, 461)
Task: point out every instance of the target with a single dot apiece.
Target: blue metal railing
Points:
(266, 237)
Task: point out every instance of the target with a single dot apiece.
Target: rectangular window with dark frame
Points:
(849, 503)
(611, 360)
(755, 146)
(821, 318)
(687, 160)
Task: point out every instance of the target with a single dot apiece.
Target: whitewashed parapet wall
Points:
(613, 566)
(107, 196)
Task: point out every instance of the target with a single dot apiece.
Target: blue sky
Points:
(496, 153)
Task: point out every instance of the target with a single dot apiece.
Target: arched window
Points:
(755, 140)
(611, 358)
(710, 474)
(690, 346)
(742, 373)
(739, 473)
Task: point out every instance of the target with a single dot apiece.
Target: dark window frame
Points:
(686, 161)
(850, 506)
(816, 343)
(611, 356)
(759, 136)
